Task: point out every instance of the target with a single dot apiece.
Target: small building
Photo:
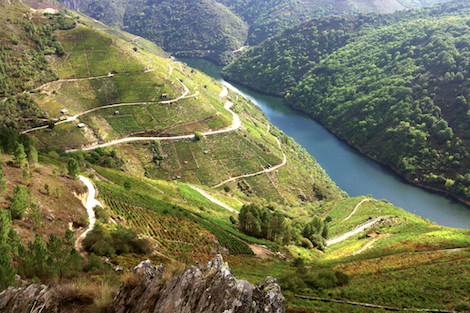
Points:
(371, 235)
(116, 112)
(164, 95)
(64, 111)
(81, 125)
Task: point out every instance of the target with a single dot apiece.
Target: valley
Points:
(184, 170)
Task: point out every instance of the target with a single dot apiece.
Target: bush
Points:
(101, 214)
(198, 135)
(306, 243)
(119, 240)
(94, 263)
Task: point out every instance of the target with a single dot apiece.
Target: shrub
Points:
(101, 214)
(198, 135)
(94, 263)
(306, 243)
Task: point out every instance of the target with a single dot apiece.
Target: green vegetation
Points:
(213, 29)
(146, 214)
(392, 85)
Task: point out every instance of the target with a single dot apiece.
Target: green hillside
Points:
(185, 141)
(213, 29)
(394, 86)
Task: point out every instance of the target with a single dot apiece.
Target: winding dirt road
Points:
(90, 203)
(212, 199)
(74, 117)
(235, 125)
(355, 231)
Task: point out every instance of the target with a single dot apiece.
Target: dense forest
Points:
(395, 86)
(212, 29)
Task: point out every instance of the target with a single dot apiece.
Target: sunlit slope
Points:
(113, 90)
(393, 86)
(100, 70)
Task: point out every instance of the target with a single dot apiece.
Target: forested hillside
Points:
(395, 86)
(140, 157)
(213, 29)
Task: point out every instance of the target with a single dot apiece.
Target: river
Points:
(352, 171)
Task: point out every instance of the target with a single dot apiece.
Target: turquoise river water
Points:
(352, 171)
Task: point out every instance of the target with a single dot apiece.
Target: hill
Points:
(181, 177)
(372, 79)
(215, 29)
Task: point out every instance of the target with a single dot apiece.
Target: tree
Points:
(47, 188)
(25, 176)
(19, 203)
(19, 155)
(68, 236)
(127, 185)
(32, 156)
(7, 272)
(36, 216)
(72, 167)
(35, 260)
(5, 226)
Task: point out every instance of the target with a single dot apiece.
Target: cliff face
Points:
(200, 288)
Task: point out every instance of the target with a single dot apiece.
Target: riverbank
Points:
(404, 176)
(354, 172)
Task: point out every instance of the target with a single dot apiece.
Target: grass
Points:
(67, 133)
(100, 62)
(78, 60)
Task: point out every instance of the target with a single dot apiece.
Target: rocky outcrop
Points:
(200, 288)
(28, 299)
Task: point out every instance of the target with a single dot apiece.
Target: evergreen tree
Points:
(5, 226)
(35, 259)
(36, 216)
(25, 176)
(19, 203)
(72, 167)
(20, 155)
(7, 272)
(32, 155)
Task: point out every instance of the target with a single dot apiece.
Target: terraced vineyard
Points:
(176, 230)
(98, 70)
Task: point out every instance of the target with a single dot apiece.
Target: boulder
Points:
(210, 288)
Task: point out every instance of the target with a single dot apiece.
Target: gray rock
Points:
(29, 299)
(209, 289)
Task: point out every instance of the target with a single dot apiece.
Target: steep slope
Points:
(213, 29)
(393, 86)
(114, 89)
(188, 28)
